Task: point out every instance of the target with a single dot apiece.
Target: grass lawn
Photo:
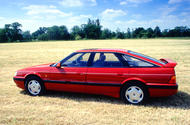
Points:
(17, 108)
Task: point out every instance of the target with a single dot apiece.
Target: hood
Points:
(37, 67)
(42, 65)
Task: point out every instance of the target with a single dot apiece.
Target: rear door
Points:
(106, 73)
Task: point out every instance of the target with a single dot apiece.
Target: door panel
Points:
(107, 73)
(108, 80)
(71, 74)
(67, 79)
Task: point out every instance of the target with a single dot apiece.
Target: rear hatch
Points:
(169, 63)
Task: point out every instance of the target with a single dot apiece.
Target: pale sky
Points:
(113, 14)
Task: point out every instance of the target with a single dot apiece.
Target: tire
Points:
(34, 86)
(134, 93)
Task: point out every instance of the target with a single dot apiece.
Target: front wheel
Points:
(34, 86)
(134, 93)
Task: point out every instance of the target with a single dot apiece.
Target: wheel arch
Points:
(133, 81)
(41, 82)
(31, 75)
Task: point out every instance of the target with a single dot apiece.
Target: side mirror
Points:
(58, 65)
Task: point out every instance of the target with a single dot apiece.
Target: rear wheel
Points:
(134, 93)
(34, 86)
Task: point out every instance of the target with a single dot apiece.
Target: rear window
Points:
(147, 57)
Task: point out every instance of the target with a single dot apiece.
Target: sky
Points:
(113, 14)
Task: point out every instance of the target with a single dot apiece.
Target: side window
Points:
(106, 60)
(133, 62)
(77, 60)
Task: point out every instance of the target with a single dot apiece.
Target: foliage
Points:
(26, 36)
(106, 34)
(91, 30)
(3, 36)
(11, 32)
(157, 32)
(43, 37)
(119, 34)
(39, 32)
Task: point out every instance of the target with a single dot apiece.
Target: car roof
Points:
(124, 51)
(103, 50)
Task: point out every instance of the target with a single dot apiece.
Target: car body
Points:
(113, 72)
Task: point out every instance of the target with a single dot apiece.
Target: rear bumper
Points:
(19, 82)
(160, 90)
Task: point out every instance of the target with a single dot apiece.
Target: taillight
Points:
(173, 80)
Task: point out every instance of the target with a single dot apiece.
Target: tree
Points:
(64, 33)
(54, 33)
(13, 32)
(78, 32)
(165, 33)
(39, 32)
(92, 29)
(113, 34)
(16, 31)
(8, 32)
(26, 36)
(43, 37)
(180, 31)
(150, 33)
(119, 34)
(138, 32)
(128, 34)
(75, 31)
(3, 37)
(157, 32)
(106, 34)
(98, 29)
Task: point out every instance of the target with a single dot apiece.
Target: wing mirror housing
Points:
(58, 65)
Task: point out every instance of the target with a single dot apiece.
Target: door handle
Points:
(120, 74)
(80, 73)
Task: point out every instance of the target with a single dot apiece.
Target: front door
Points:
(71, 75)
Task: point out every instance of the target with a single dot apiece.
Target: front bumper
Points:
(19, 82)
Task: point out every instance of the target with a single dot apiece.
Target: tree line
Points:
(91, 30)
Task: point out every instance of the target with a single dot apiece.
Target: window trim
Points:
(114, 53)
(147, 57)
(73, 54)
(154, 65)
(92, 55)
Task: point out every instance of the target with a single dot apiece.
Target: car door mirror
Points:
(58, 65)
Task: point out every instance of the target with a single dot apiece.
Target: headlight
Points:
(15, 74)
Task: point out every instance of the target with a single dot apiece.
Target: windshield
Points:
(147, 57)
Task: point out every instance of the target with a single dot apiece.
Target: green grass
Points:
(17, 108)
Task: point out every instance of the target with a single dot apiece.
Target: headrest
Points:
(102, 57)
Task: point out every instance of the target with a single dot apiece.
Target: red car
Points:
(113, 72)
